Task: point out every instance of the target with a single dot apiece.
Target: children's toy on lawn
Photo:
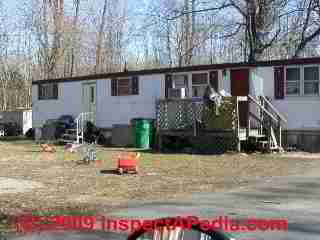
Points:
(47, 148)
(128, 162)
(88, 152)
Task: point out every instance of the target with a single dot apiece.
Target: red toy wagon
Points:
(128, 162)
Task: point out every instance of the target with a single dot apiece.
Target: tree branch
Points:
(201, 10)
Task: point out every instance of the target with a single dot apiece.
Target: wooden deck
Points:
(220, 123)
(218, 133)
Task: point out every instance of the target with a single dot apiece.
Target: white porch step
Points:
(69, 136)
(257, 136)
(66, 141)
(71, 131)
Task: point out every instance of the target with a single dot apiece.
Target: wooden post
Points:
(194, 127)
(238, 126)
(248, 120)
(269, 133)
(261, 117)
(279, 130)
(159, 143)
(248, 128)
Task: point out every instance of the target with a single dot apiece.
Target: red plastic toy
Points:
(128, 162)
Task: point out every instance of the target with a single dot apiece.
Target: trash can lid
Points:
(142, 119)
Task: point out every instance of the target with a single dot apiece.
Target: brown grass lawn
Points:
(161, 176)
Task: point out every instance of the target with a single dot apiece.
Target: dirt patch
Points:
(161, 176)
(301, 155)
(11, 185)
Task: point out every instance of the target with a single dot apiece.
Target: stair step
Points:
(69, 136)
(258, 136)
(65, 141)
(71, 130)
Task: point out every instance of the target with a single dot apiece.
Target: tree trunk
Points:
(100, 38)
(75, 36)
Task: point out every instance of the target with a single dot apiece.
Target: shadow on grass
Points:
(109, 171)
(182, 152)
(33, 151)
(15, 139)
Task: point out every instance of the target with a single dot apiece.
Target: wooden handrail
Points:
(265, 110)
(196, 100)
(274, 109)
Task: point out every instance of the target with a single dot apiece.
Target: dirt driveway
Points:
(58, 180)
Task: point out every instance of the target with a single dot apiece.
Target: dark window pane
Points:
(55, 91)
(311, 88)
(311, 73)
(48, 91)
(124, 87)
(293, 88)
(123, 91)
(135, 85)
(293, 74)
(123, 82)
(179, 81)
(114, 87)
(92, 94)
(200, 78)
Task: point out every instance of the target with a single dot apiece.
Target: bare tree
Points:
(310, 27)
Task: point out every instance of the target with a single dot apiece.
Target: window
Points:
(125, 86)
(302, 81)
(48, 91)
(180, 81)
(293, 81)
(311, 80)
(92, 94)
(199, 84)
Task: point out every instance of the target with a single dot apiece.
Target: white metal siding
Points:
(121, 109)
(69, 102)
(301, 112)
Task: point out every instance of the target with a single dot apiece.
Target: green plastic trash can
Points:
(143, 134)
(143, 131)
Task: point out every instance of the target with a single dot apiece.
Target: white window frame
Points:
(47, 91)
(130, 86)
(179, 74)
(183, 74)
(198, 85)
(302, 81)
(311, 95)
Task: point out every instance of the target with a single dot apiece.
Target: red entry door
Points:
(240, 87)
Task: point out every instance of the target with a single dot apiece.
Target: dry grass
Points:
(161, 176)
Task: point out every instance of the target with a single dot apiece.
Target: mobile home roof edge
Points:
(314, 60)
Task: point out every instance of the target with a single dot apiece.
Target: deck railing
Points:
(81, 121)
(263, 119)
(183, 114)
(270, 121)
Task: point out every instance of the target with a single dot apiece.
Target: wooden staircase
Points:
(266, 134)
